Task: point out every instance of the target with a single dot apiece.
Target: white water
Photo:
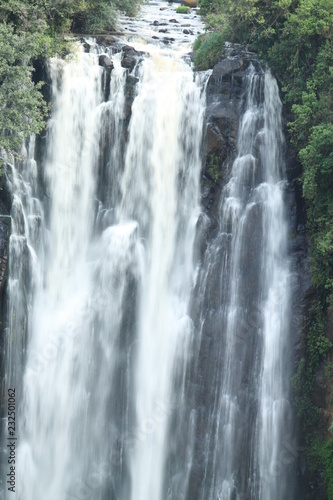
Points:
(275, 412)
(160, 191)
(59, 345)
(98, 389)
(251, 417)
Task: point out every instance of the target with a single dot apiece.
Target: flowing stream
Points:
(102, 345)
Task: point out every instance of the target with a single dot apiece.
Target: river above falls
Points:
(159, 24)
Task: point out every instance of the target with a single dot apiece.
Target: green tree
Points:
(22, 105)
(33, 29)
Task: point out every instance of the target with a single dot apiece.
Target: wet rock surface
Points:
(130, 57)
(107, 64)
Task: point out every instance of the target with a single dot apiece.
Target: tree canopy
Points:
(33, 29)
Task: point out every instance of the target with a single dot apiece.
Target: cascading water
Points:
(250, 420)
(162, 170)
(103, 339)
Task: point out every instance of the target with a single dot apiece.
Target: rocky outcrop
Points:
(107, 64)
(130, 57)
(224, 101)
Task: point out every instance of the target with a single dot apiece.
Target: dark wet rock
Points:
(188, 58)
(226, 120)
(226, 71)
(226, 67)
(107, 40)
(130, 93)
(163, 30)
(173, 21)
(225, 88)
(187, 32)
(130, 57)
(86, 46)
(214, 141)
(107, 64)
(168, 39)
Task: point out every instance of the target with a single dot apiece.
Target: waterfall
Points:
(162, 170)
(149, 364)
(251, 419)
(109, 334)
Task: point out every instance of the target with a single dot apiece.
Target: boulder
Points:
(130, 57)
(226, 66)
(107, 64)
(107, 40)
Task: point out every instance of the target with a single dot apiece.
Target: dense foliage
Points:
(183, 9)
(296, 38)
(33, 29)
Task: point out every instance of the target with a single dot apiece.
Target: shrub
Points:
(182, 9)
(209, 50)
(198, 42)
(102, 18)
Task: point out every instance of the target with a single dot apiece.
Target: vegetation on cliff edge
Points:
(34, 29)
